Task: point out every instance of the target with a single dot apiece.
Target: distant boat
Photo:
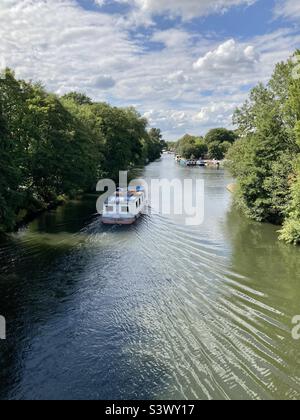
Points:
(124, 207)
(201, 163)
(191, 163)
(178, 158)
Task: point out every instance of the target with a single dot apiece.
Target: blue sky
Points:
(186, 65)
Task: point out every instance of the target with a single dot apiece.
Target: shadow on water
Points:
(155, 310)
(67, 338)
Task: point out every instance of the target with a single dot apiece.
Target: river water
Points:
(157, 310)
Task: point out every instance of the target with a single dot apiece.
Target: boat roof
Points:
(123, 196)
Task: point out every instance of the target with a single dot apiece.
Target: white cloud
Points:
(187, 9)
(178, 77)
(166, 117)
(69, 48)
(219, 112)
(288, 8)
(172, 38)
(190, 121)
(7, 3)
(229, 57)
(64, 46)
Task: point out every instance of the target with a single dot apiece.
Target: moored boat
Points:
(201, 163)
(191, 163)
(178, 158)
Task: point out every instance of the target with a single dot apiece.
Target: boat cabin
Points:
(125, 206)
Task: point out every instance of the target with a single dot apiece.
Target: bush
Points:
(191, 147)
(290, 232)
(220, 135)
(265, 160)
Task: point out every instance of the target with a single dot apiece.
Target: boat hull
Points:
(120, 221)
(113, 221)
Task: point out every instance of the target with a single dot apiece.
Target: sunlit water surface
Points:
(157, 310)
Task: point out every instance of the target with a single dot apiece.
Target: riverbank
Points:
(66, 144)
(159, 310)
(265, 160)
(26, 216)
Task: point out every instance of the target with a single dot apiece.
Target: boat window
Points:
(125, 209)
(109, 208)
(137, 204)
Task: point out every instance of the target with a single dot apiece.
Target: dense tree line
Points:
(52, 147)
(214, 145)
(266, 158)
(191, 147)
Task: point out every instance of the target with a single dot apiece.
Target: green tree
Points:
(220, 135)
(218, 150)
(91, 123)
(264, 160)
(51, 146)
(122, 130)
(200, 148)
(62, 151)
(78, 98)
(291, 227)
(154, 145)
(191, 147)
(13, 144)
(10, 176)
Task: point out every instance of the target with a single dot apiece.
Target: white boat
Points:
(178, 158)
(201, 163)
(125, 206)
(191, 163)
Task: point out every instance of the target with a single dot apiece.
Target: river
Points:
(157, 310)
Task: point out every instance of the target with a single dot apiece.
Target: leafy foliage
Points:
(216, 144)
(265, 159)
(191, 147)
(220, 135)
(153, 144)
(219, 141)
(51, 146)
(78, 98)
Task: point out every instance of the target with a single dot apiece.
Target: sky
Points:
(186, 65)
